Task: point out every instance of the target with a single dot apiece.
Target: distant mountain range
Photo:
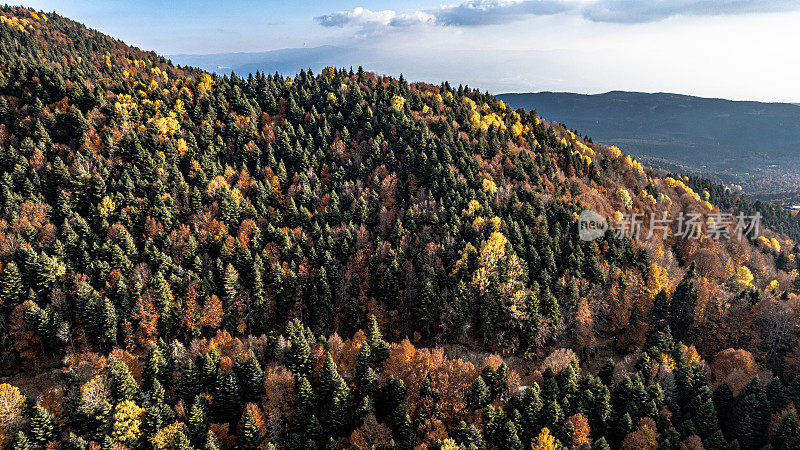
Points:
(284, 61)
(477, 67)
(731, 138)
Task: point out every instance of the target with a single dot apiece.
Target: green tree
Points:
(123, 385)
(250, 435)
(43, 428)
(681, 308)
(479, 395)
(11, 289)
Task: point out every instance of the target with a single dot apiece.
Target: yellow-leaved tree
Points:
(449, 444)
(544, 441)
(657, 281)
(742, 279)
(127, 422)
(625, 198)
(12, 405)
(498, 278)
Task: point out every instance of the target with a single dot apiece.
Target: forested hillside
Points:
(748, 143)
(346, 260)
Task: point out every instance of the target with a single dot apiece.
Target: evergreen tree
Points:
(479, 395)
(11, 289)
(43, 428)
(155, 366)
(211, 442)
(298, 358)
(123, 385)
(681, 308)
(21, 442)
(600, 444)
(251, 379)
(227, 397)
(197, 421)
(250, 435)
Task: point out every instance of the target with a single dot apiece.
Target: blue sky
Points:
(738, 49)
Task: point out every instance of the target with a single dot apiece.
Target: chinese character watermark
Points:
(690, 226)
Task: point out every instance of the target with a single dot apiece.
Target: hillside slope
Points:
(707, 135)
(344, 259)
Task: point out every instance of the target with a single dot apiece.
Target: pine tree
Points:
(251, 379)
(329, 378)
(479, 395)
(197, 421)
(378, 347)
(661, 308)
(715, 441)
(227, 397)
(606, 371)
(787, 431)
(681, 308)
(123, 385)
(189, 384)
(159, 413)
(402, 427)
(600, 444)
(510, 439)
(469, 435)
(549, 306)
(305, 404)
(553, 414)
(250, 435)
(11, 289)
(43, 427)
(74, 442)
(155, 366)
(211, 442)
(746, 434)
(21, 442)
(393, 394)
(706, 420)
(774, 391)
(724, 404)
(298, 359)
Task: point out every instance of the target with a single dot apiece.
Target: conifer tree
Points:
(251, 378)
(298, 358)
(123, 385)
(43, 427)
(681, 308)
(11, 289)
(197, 421)
(250, 435)
(21, 442)
(227, 397)
(155, 366)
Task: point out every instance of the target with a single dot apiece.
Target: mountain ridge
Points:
(656, 93)
(749, 143)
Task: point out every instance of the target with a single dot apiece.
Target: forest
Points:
(350, 260)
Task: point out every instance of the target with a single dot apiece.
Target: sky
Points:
(735, 49)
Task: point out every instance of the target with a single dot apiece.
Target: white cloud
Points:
(472, 13)
(492, 12)
(360, 17)
(638, 11)
(413, 18)
(468, 13)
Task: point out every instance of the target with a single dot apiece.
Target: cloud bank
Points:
(472, 13)
(636, 11)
